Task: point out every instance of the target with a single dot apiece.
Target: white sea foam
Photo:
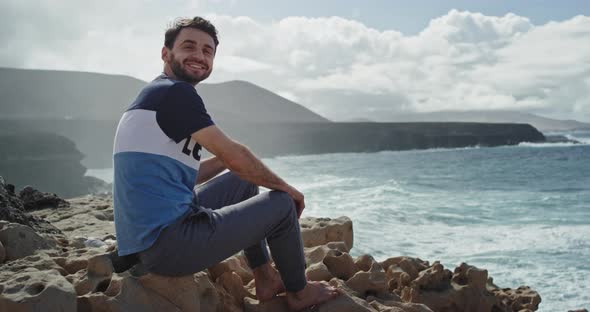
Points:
(557, 144)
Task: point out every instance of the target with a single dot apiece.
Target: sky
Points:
(343, 59)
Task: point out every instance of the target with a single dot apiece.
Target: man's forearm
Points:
(209, 168)
(248, 167)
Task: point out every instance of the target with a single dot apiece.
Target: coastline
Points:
(70, 271)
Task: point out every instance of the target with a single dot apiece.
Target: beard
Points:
(184, 75)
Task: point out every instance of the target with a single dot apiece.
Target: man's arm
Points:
(240, 160)
(209, 168)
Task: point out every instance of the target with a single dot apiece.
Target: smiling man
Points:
(175, 228)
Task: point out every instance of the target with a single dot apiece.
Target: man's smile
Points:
(196, 65)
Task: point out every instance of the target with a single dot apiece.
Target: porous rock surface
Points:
(60, 273)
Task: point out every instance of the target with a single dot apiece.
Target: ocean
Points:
(521, 212)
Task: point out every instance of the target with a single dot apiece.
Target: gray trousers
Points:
(230, 215)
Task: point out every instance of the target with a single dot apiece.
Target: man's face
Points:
(191, 57)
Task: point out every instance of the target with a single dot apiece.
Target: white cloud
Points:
(338, 67)
(461, 61)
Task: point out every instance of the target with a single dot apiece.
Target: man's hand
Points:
(298, 198)
(241, 161)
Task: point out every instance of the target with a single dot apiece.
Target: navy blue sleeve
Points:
(182, 112)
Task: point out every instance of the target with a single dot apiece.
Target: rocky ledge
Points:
(68, 269)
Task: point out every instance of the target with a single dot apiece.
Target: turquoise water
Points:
(521, 212)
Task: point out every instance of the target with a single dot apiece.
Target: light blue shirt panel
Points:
(153, 189)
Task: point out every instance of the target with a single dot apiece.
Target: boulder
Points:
(277, 304)
(20, 241)
(35, 283)
(521, 298)
(317, 270)
(2, 253)
(368, 283)
(340, 265)
(393, 306)
(12, 210)
(131, 297)
(235, 264)
(34, 290)
(33, 199)
(234, 286)
(320, 231)
(347, 301)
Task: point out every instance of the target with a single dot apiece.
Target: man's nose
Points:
(198, 55)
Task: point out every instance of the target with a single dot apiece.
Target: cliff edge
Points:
(68, 269)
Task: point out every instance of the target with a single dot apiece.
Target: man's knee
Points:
(282, 201)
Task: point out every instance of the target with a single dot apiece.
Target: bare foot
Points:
(268, 282)
(313, 293)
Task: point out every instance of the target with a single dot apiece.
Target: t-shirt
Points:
(156, 161)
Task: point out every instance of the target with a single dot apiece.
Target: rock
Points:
(227, 303)
(314, 260)
(12, 210)
(364, 263)
(180, 291)
(235, 264)
(393, 306)
(318, 272)
(396, 284)
(435, 278)
(368, 264)
(320, 231)
(318, 253)
(412, 266)
(34, 284)
(464, 290)
(33, 199)
(368, 283)
(347, 301)
(96, 277)
(132, 297)
(522, 298)
(2, 253)
(277, 304)
(232, 283)
(20, 241)
(340, 265)
(156, 293)
(470, 275)
(86, 217)
(397, 278)
(208, 297)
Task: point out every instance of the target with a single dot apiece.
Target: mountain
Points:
(237, 101)
(85, 108)
(49, 94)
(500, 116)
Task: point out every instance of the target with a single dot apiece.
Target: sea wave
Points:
(560, 144)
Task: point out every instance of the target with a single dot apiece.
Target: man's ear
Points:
(165, 54)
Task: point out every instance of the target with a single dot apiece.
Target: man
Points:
(157, 155)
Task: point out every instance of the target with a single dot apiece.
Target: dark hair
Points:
(197, 23)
